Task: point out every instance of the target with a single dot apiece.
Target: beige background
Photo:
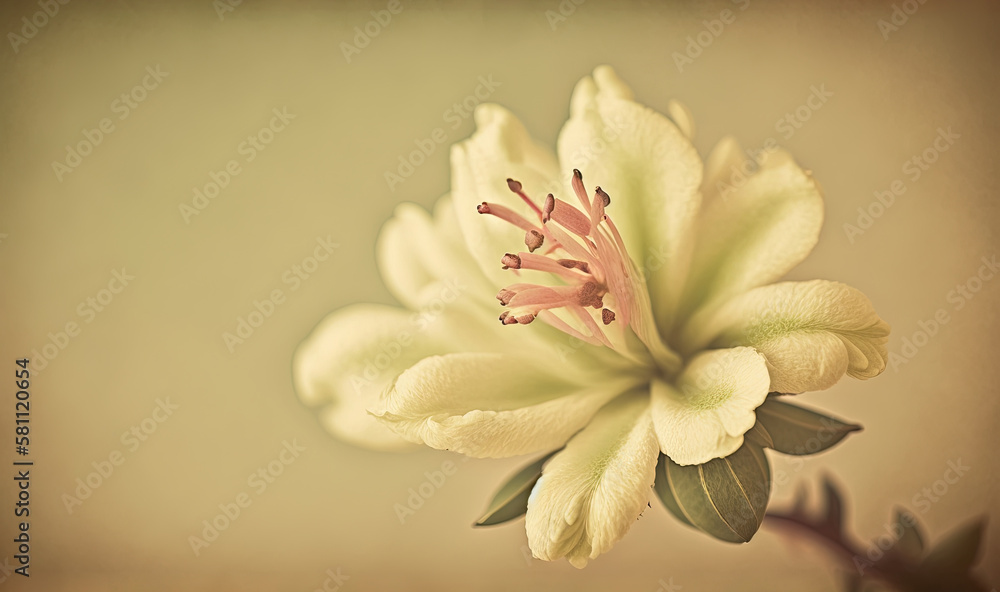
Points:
(323, 175)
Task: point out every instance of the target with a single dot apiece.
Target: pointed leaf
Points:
(911, 541)
(759, 435)
(665, 492)
(797, 430)
(512, 500)
(725, 497)
(959, 552)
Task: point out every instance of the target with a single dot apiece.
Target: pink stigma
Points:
(584, 250)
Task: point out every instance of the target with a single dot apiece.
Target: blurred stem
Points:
(888, 568)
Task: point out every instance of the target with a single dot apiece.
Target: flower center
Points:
(584, 250)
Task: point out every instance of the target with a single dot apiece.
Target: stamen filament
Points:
(515, 186)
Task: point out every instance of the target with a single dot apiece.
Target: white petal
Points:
(649, 168)
(681, 115)
(490, 405)
(349, 359)
(499, 149)
(712, 406)
(420, 257)
(592, 492)
(724, 164)
(810, 332)
(754, 234)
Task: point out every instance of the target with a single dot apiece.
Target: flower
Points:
(654, 323)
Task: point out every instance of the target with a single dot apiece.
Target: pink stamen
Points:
(542, 263)
(506, 214)
(547, 207)
(580, 190)
(571, 218)
(574, 264)
(515, 186)
(533, 239)
(511, 261)
(585, 250)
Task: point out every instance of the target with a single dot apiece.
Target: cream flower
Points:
(654, 323)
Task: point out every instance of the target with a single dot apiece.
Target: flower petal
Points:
(419, 256)
(499, 149)
(711, 408)
(723, 164)
(491, 405)
(754, 234)
(593, 491)
(681, 116)
(811, 333)
(349, 359)
(649, 168)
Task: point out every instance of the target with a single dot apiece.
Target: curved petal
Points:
(593, 491)
(349, 359)
(754, 234)
(499, 149)
(713, 405)
(722, 167)
(682, 117)
(649, 168)
(811, 333)
(420, 256)
(490, 405)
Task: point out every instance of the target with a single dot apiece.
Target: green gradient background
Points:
(324, 175)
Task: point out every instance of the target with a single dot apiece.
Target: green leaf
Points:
(725, 497)
(512, 500)
(958, 552)
(797, 430)
(911, 541)
(759, 435)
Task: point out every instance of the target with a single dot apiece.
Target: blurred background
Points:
(117, 114)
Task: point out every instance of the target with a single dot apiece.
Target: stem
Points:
(888, 568)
